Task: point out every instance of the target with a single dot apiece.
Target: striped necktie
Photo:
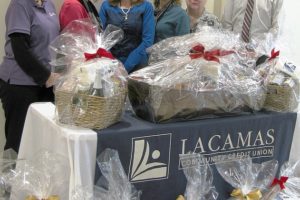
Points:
(247, 21)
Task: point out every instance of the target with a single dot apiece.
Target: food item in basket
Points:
(97, 86)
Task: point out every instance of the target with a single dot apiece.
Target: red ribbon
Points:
(198, 51)
(274, 54)
(99, 54)
(280, 182)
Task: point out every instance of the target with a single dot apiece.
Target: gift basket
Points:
(288, 185)
(283, 85)
(93, 87)
(113, 185)
(199, 75)
(199, 182)
(42, 177)
(8, 160)
(248, 179)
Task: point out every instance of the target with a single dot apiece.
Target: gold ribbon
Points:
(253, 195)
(52, 197)
(180, 197)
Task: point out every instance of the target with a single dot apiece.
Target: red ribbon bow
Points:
(274, 54)
(99, 54)
(280, 182)
(198, 51)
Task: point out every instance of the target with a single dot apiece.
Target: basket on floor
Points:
(282, 98)
(89, 111)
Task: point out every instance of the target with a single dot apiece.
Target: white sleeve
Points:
(277, 18)
(227, 16)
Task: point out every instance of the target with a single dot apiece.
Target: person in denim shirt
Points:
(171, 20)
(136, 18)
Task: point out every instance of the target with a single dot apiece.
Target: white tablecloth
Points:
(78, 145)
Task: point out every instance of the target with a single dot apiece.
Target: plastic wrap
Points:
(283, 86)
(199, 182)
(211, 38)
(43, 177)
(248, 179)
(215, 77)
(93, 86)
(114, 181)
(288, 184)
(8, 160)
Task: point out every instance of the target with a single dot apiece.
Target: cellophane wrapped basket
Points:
(287, 186)
(198, 75)
(199, 181)
(283, 87)
(249, 179)
(93, 87)
(42, 177)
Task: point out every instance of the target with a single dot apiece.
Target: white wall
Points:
(292, 29)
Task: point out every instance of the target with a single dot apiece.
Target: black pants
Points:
(15, 102)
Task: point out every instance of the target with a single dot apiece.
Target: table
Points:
(79, 145)
(154, 155)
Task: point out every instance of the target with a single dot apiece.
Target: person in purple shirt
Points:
(25, 73)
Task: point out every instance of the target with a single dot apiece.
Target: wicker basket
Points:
(282, 98)
(95, 113)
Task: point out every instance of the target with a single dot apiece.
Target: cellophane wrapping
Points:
(291, 189)
(246, 176)
(42, 177)
(177, 86)
(93, 86)
(8, 160)
(113, 184)
(199, 182)
(283, 87)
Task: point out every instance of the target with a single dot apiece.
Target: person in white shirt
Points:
(266, 18)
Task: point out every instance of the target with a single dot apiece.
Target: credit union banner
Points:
(154, 155)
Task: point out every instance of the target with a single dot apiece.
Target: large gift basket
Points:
(92, 90)
(201, 74)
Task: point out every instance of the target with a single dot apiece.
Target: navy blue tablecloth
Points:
(151, 154)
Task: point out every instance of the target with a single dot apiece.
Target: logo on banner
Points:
(150, 158)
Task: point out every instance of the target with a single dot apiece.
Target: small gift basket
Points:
(283, 85)
(198, 76)
(42, 178)
(93, 86)
(288, 185)
(112, 185)
(199, 182)
(248, 179)
(8, 160)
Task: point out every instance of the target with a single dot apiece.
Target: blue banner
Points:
(153, 155)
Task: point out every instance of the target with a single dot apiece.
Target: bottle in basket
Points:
(98, 87)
